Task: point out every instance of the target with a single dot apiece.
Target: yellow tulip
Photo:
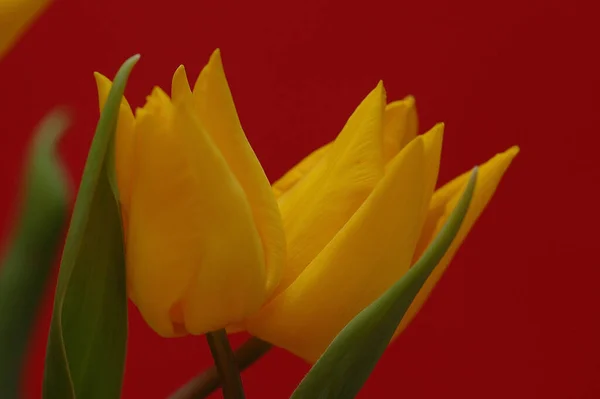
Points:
(204, 232)
(357, 214)
(203, 235)
(15, 15)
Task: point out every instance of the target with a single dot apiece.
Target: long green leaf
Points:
(33, 248)
(86, 345)
(348, 361)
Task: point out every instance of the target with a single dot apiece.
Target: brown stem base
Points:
(208, 381)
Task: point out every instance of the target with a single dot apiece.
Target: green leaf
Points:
(86, 345)
(348, 361)
(33, 248)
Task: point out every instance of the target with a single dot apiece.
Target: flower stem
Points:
(226, 365)
(208, 381)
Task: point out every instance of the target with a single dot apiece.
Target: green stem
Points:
(226, 365)
(208, 381)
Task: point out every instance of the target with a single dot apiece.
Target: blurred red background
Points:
(517, 315)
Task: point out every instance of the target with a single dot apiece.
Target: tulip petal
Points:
(217, 113)
(372, 251)
(322, 202)
(180, 86)
(194, 256)
(15, 16)
(400, 126)
(442, 203)
(295, 174)
(341, 371)
(123, 142)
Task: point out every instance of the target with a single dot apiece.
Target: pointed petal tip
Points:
(407, 102)
(179, 77)
(507, 156)
(155, 101)
(432, 142)
(496, 166)
(103, 85)
(437, 131)
(513, 151)
(100, 79)
(213, 66)
(440, 128)
(380, 92)
(157, 91)
(180, 85)
(215, 57)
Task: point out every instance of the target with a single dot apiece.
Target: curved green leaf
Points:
(33, 248)
(86, 345)
(348, 361)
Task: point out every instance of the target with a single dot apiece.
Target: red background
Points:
(517, 314)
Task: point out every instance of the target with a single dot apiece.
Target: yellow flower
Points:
(204, 232)
(357, 214)
(15, 15)
(203, 236)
